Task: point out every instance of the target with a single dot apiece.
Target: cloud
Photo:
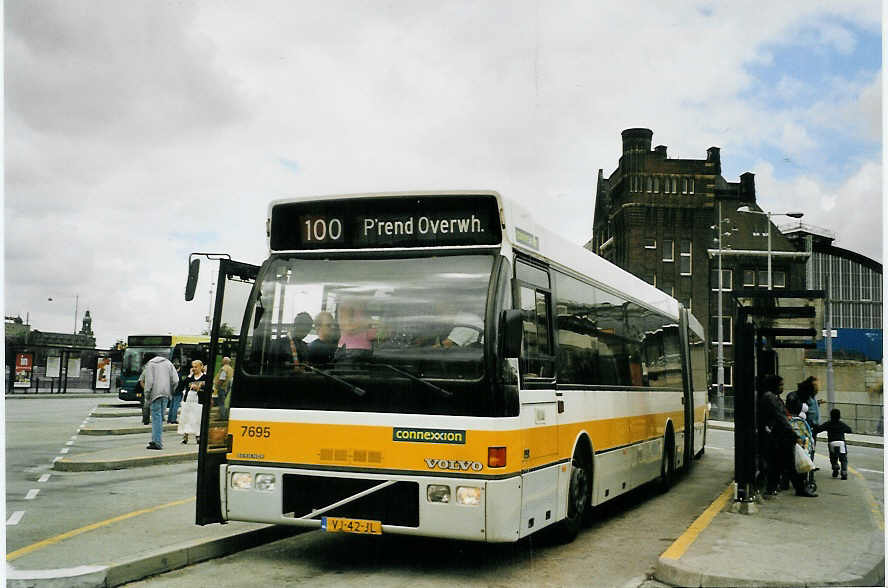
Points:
(139, 132)
(852, 209)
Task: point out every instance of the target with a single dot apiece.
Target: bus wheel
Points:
(578, 498)
(667, 464)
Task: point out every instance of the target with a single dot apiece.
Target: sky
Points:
(137, 132)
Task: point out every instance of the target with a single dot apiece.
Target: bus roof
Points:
(164, 340)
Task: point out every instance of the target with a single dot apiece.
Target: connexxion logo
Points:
(429, 436)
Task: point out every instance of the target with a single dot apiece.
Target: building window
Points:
(668, 250)
(656, 184)
(651, 278)
(649, 243)
(685, 267)
(726, 330)
(729, 376)
(650, 183)
(727, 280)
(675, 185)
(763, 278)
(691, 185)
(748, 278)
(778, 279)
(684, 185)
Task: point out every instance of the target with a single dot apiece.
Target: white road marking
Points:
(44, 477)
(69, 443)
(870, 471)
(73, 437)
(15, 517)
(32, 494)
(65, 450)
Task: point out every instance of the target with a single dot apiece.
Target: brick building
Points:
(656, 217)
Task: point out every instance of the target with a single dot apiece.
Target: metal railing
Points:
(864, 419)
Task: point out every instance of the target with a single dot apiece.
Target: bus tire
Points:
(578, 497)
(667, 463)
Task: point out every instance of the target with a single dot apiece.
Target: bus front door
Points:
(233, 286)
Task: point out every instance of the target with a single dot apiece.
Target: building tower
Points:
(656, 217)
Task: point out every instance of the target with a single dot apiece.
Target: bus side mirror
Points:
(513, 330)
(191, 284)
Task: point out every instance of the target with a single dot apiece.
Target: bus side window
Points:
(536, 353)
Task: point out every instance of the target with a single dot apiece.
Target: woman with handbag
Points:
(191, 411)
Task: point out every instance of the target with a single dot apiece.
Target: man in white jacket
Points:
(159, 379)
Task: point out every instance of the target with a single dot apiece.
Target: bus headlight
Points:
(468, 495)
(242, 480)
(438, 493)
(265, 482)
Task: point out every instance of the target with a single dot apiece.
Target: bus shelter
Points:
(765, 322)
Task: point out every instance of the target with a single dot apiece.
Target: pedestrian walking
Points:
(178, 393)
(222, 385)
(192, 411)
(159, 378)
(838, 450)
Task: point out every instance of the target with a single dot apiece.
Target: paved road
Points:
(620, 548)
(42, 503)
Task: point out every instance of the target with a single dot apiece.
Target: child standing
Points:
(838, 451)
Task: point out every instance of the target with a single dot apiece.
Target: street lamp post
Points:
(768, 215)
(76, 308)
(720, 361)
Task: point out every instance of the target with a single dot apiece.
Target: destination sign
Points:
(385, 222)
(149, 340)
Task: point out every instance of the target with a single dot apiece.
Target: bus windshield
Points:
(132, 358)
(367, 331)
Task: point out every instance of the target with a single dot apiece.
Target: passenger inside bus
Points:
(354, 324)
(291, 349)
(322, 349)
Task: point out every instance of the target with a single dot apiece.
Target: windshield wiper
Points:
(356, 389)
(415, 378)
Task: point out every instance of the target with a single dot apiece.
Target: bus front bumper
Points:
(449, 507)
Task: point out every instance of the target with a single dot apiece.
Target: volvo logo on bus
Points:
(457, 465)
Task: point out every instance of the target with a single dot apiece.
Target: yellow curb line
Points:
(35, 546)
(681, 545)
(874, 506)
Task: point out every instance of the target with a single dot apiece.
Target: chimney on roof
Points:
(747, 187)
(661, 151)
(635, 139)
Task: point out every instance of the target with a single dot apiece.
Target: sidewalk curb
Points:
(112, 415)
(67, 465)
(124, 431)
(716, 425)
(59, 395)
(867, 570)
(158, 562)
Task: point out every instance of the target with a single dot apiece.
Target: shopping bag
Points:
(803, 463)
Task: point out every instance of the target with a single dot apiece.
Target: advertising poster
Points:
(103, 373)
(24, 363)
(53, 366)
(73, 367)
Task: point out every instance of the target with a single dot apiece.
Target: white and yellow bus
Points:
(483, 379)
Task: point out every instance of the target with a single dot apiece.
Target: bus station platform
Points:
(835, 539)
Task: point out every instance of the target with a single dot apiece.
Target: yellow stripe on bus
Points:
(372, 446)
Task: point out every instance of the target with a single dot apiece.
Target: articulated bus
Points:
(438, 364)
(181, 348)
